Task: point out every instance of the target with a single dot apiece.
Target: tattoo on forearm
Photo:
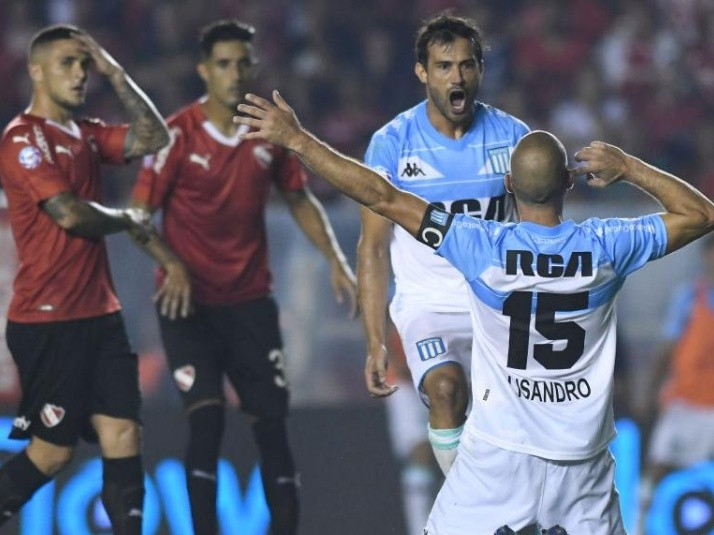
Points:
(59, 207)
(148, 130)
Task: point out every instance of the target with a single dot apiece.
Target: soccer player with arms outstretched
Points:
(534, 449)
(78, 373)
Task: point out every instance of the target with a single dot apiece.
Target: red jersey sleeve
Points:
(289, 173)
(159, 171)
(26, 164)
(109, 139)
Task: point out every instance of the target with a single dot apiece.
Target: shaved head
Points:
(49, 35)
(539, 171)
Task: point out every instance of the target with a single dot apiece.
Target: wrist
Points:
(337, 260)
(117, 77)
(299, 142)
(633, 168)
(377, 347)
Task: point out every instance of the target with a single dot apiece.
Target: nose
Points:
(457, 76)
(80, 71)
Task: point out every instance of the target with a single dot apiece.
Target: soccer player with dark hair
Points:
(542, 296)
(78, 373)
(452, 150)
(212, 185)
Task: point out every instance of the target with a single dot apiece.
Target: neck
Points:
(220, 116)
(445, 126)
(546, 216)
(44, 107)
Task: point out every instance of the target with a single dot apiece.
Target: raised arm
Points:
(148, 131)
(278, 124)
(310, 215)
(373, 282)
(689, 214)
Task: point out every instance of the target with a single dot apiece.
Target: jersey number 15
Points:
(518, 307)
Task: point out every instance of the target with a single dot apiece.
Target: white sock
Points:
(417, 496)
(445, 442)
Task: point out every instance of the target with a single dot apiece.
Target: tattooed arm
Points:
(89, 219)
(148, 131)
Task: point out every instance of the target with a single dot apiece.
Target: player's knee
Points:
(48, 458)
(447, 390)
(120, 438)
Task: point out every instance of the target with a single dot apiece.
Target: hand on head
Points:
(103, 61)
(604, 164)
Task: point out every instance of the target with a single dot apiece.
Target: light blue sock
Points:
(444, 443)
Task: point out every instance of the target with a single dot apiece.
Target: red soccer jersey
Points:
(213, 191)
(60, 276)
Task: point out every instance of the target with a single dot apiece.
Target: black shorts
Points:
(69, 371)
(241, 341)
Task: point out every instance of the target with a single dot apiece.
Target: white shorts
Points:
(489, 487)
(431, 339)
(683, 436)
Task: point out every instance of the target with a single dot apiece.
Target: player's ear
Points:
(202, 71)
(420, 71)
(508, 182)
(35, 72)
(570, 179)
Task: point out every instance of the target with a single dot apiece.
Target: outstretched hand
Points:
(604, 164)
(276, 123)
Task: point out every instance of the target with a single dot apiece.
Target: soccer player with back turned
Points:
(534, 449)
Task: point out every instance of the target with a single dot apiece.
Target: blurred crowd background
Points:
(638, 73)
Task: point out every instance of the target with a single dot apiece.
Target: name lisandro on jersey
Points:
(550, 391)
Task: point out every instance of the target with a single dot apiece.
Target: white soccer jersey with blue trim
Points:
(542, 305)
(460, 176)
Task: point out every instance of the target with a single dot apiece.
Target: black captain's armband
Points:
(434, 226)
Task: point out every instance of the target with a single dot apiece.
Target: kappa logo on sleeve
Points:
(51, 415)
(185, 377)
(30, 157)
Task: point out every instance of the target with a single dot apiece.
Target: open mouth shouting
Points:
(457, 99)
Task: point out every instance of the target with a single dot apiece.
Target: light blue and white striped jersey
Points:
(460, 176)
(542, 305)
